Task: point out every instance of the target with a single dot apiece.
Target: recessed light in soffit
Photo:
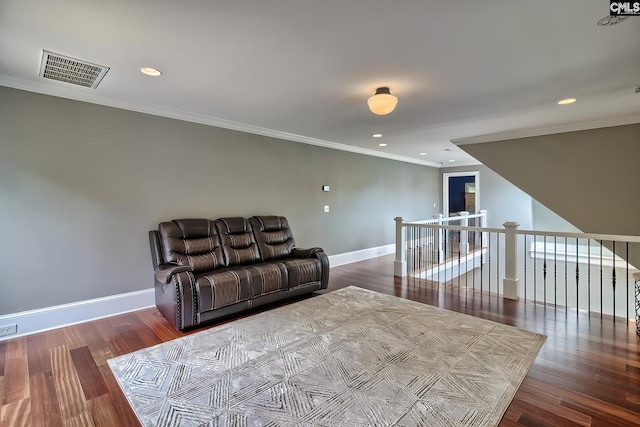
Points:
(70, 70)
(150, 71)
(566, 101)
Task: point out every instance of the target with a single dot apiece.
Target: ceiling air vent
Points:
(70, 70)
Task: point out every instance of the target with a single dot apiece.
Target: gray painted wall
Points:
(506, 202)
(545, 219)
(81, 185)
(588, 177)
(502, 200)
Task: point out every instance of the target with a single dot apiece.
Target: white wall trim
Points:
(361, 255)
(78, 94)
(570, 127)
(44, 319)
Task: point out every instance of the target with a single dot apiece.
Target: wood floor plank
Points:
(101, 351)
(551, 404)
(633, 397)
(3, 349)
(127, 340)
(73, 337)
(103, 411)
(535, 416)
(586, 374)
(45, 409)
(95, 332)
(156, 323)
(126, 416)
(602, 410)
(38, 354)
(88, 373)
(16, 375)
(584, 386)
(71, 401)
(16, 413)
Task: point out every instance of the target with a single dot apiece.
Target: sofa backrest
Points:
(238, 242)
(273, 235)
(191, 241)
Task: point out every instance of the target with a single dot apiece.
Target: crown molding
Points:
(93, 98)
(570, 127)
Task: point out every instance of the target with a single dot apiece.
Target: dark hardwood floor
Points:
(587, 373)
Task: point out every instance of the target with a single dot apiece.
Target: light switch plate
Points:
(326, 208)
(326, 188)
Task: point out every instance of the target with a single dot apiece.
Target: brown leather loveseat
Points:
(205, 269)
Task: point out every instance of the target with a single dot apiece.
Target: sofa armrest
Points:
(320, 255)
(305, 253)
(164, 272)
(156, 252)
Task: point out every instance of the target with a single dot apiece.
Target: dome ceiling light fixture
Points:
(382, 102)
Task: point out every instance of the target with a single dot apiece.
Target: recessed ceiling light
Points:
(382, 145)
(150, 71)
(377, 135)
(451, 160)
(567, 101)
(423, 154)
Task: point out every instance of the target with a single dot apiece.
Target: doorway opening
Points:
(460, 192)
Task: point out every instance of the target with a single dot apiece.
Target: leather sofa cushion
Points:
(273, 236)
(221, 288)
(193, 241)
(236, 284)
(268, 277)
(238, 243)
(303, 270)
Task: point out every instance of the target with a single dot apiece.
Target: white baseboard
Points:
(361, 255)
(44, 319)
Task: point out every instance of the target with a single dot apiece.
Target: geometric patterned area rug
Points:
(351, 357)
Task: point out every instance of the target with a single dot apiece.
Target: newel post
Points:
(400, 263)
(510, 281)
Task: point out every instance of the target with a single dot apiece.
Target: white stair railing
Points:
(437, 239)
(579, 271)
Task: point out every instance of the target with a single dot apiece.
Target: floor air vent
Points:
(70, 70)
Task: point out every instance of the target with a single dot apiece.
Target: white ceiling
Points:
(303, 69)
